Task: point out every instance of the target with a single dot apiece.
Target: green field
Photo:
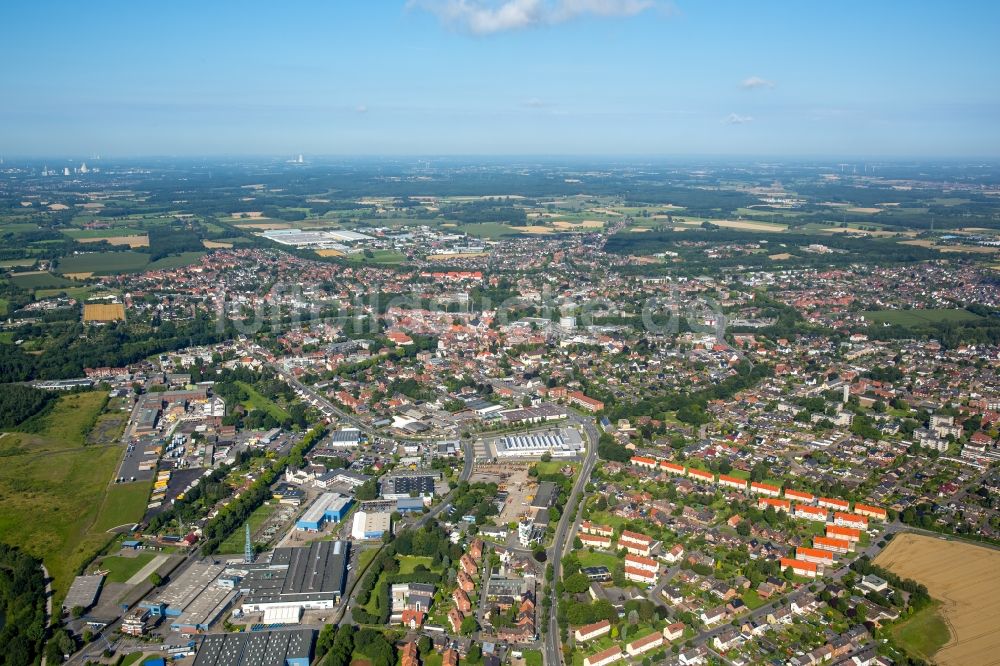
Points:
(408, 563)
(923, 634)
(237, 540)
(41, 281)
(918, 318)
(388, 257)
(124, 504)
(53, 488)
(120, 569)
(175, 261)
(258, 401)
(597, 559)
(533, 657)
(103, 263)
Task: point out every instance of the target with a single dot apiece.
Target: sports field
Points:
(963, 578)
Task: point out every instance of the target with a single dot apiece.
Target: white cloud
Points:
(737, 119)
(755, 82)
(534, 103)
(484, 17)
(361, 108)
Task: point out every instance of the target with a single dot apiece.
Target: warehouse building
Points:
(327, 507)
(346, 438)
(371, 525)
(195, 599)
(83, 592)
(397, 487)
(564, 443)
(294, 579)
(259, 648)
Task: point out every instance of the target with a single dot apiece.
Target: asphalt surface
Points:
(552, 651)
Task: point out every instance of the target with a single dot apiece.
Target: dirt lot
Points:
(512, 477)
(964, 578)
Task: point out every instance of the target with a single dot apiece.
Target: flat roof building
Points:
(259, 648)
(397, 487)
(309, 578)
(565, 443)
(327, 507)
(371, 525)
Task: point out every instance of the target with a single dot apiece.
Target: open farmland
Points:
(103, 263)
(969, 595)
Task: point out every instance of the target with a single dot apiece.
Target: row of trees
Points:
(231, 517)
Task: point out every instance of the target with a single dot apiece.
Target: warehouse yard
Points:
(962, 577)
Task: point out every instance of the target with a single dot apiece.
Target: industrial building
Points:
(83, 592)
(397, 487)
(259, 648)
(371, 525)
(327, 507)
(195, 599)
(332, 239)
(346, 438)
(294, 579)
(564, 443)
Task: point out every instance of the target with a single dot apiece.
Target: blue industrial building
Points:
(328, 507)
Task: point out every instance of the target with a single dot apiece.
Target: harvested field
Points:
(213, 245)
(969, 594)
(738, 224)
(867, 210)
(103, 312)
(131, 241)
(781, 256)
(330, 253)
(534, 229)
(79, 276)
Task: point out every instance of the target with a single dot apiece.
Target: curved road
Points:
(553, 651)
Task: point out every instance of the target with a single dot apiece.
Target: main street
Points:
(553, 650)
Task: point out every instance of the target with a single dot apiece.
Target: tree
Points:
(155, 579)
(469, 625)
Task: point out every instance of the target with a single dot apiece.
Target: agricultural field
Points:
(969, 597)
(917, 318)
(54, 487)
(40, 280)
(103, 263)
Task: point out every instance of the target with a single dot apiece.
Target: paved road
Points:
(553, 651)
(351, 593)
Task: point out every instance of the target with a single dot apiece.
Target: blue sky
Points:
(546, 77)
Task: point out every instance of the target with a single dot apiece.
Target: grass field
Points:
(258, 401)
(236, 541)
(923, 634)
(597, 559)
(533, 657)
(969, 596)
(388, 257)
(916, 318)
(407, 563)
(124, 504)
(53, 488)
(120, 569)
